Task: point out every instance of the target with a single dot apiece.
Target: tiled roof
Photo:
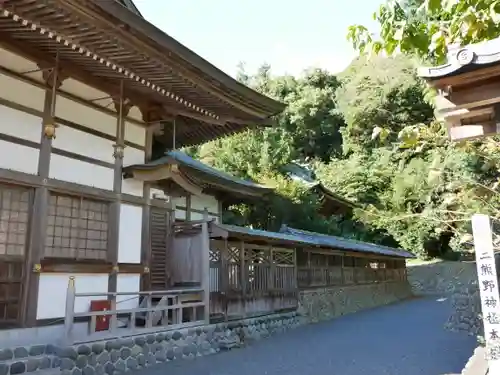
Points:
(184, 160)
(304, 238)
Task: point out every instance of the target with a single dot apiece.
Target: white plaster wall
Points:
(97, 120)
(135, 133)
(132, 156)
(21, 92)
(85, 116)
(80, 172)
(52, 293)
(18, 158)
(132, 187)
(205, 201)
(17, 93)
(129, 244)
(20, 124)
(83, 143)
(128, 283)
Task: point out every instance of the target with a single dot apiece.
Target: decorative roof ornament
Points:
(465, 56)
(470, 57)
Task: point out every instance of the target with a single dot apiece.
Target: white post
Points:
(69, 311)
(488, 284)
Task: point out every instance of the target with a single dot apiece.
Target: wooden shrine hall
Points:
(105, 229)
(468, 91)
(86, 88)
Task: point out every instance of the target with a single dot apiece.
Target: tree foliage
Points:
(426, 28)
(370, 136)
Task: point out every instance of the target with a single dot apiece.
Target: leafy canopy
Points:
(369, 135)
(426, 28)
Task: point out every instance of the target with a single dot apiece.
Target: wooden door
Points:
(160, 234)
(15, 209)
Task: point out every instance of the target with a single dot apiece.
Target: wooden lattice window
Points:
(77, 228)
(14, 218)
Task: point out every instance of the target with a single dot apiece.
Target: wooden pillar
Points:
(272, 282)
(295, 274)
(189, 207)
(309, 270)
(225, 277)
(53, 80)
(243, 277)
(146, 216)
(221, 210)
(205, 261)
(342, 276)
(122, 107)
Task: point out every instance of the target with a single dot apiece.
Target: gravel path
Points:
(401, 339)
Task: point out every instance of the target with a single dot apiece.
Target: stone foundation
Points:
(327, 303)
(130, 353)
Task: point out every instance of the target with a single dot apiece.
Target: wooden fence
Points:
(248, 279)
(318, 270)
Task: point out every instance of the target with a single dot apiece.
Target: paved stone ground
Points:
(402, 339)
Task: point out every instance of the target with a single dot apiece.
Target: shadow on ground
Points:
(401, 339)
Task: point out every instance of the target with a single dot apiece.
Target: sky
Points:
(291, 36)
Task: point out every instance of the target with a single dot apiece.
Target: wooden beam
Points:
(162, 56)
(458, 133)
(478, 92)
(111, 88)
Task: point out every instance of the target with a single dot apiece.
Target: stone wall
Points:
(130, 353)
(441, 278)
(456, 281)
(326, 303)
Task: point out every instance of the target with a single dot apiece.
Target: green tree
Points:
(426, 28)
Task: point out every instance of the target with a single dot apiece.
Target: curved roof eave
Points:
(467, 58)
(184, 160)
(334, 196)
(144, 27)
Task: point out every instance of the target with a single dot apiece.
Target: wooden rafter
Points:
(101, 54)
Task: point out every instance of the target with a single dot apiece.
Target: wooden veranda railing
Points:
(155, 311)
(249, 279)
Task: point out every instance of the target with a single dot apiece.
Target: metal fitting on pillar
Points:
(49, 130)
(118, 152)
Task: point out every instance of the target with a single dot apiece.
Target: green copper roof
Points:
(304, 238)
(184, 160)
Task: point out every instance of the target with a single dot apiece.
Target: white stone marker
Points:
(488, 284)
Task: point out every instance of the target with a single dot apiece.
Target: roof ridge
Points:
(334, 243)
(290, 230)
